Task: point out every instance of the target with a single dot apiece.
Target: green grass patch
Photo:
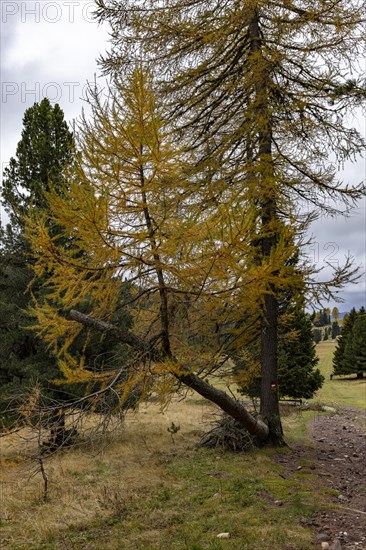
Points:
(204, 492)
(147, 492)
(296, 426)
(343, 391)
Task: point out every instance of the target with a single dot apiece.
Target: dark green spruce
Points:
(298, 377)
(43, 155)
(350, 353)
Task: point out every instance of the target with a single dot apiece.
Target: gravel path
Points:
(338, 458)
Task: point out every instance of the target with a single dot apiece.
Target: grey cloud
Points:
(347, 233)
(352, 299)
(52, 72)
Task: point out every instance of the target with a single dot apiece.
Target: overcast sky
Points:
(49, 49)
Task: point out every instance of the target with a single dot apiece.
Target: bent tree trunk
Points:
(231, 406)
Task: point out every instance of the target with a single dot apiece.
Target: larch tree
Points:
(135, 210)
(264, 90)
(327, 316)
(258, 93)
(335, 313)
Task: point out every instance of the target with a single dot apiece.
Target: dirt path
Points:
(339, 460)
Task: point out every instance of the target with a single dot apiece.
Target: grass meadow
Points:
(345, 391)
(151, 490)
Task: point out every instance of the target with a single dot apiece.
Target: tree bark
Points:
(231, 406)
(269, 405)
(124, 336)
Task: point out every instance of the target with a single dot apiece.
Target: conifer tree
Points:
(259, 89)
(133, 206)
(357, 361)
(42, 156)
(353, 360)
(297, 359)
(327, 316)
(339, 364)
(257, 99)
(335, 330)
(317, 335)
(46, 148)
(297, 376)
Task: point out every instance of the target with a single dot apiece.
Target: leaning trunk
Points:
(228, 404)
(233, 407)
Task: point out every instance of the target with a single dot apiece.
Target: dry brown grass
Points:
(91, 482)
(144, 488)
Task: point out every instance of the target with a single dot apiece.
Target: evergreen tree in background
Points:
(297, 376)
(45, 150)
(349, 347)
(322, 318)
(43, 154)
(23, 357)
(335, 330)
(297, 359)
(356, 361)
(317, 335)
(346, 330)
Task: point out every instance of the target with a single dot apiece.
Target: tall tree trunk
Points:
(269, 406)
